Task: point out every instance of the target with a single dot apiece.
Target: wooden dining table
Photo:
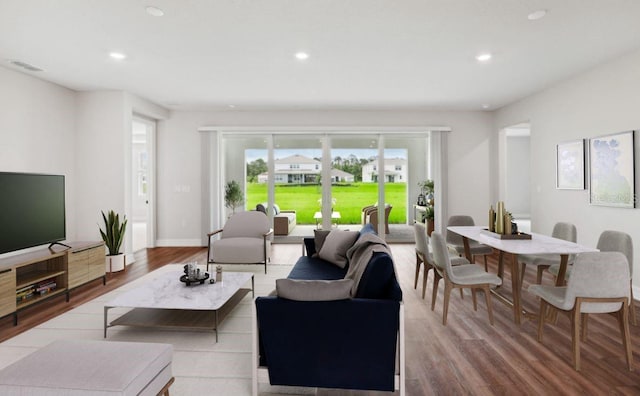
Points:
(510, 249)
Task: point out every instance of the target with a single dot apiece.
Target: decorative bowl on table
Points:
(199, 280)
(193, 275)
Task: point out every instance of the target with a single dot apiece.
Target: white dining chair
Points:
(454, 241)
(612, 241)
(598, 284)
(566, 231)
(468, 276)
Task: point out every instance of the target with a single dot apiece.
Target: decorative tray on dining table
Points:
(519, 235)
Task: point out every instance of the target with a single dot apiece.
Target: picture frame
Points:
(570, 165)
(611, 170)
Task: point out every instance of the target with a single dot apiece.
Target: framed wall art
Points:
(611, 170)
(570, 165)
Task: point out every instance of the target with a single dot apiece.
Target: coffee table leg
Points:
(216, 312)
(253, 294)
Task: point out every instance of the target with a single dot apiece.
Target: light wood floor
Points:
(468, 356)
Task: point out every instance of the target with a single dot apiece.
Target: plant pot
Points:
(115, 263)
(430, 226)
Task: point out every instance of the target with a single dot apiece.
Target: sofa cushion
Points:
(335, 246)
(314, 290)
(314, 268)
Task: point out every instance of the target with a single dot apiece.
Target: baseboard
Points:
(179, 243)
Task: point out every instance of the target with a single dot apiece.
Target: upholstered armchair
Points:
(245, 239)
(372, 217)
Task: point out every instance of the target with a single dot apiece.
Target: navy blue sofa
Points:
(346, 344)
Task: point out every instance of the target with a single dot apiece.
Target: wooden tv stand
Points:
(32, 277)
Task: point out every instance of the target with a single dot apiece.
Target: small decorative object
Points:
(422, 200)
(492, 219)
(193, 275)
(501, 225)
(219, 273)
(499, 218)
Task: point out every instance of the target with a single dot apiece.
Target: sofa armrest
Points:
(348, 344)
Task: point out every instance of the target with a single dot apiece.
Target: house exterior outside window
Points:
(395, 170)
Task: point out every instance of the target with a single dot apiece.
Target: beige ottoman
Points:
(91, 368)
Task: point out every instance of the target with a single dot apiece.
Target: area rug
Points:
(200, 365)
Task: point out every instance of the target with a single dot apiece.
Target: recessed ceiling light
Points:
(485, 106)
(483, 57)
(117, 55)
(154, 11)
(538, 14)
(231, 106)
(302, 55)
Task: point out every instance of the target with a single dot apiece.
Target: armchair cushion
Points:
(314, 290)
(335, 246)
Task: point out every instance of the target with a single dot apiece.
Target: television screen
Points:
(32, 210)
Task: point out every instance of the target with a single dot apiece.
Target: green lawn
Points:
(349, 200)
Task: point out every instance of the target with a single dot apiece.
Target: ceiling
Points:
(363, 54)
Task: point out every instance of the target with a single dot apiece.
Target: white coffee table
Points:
(166, 302)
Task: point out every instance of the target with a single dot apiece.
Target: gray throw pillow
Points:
(319, 237)
(314, 290)
(335, 246)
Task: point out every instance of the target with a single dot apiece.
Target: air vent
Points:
(26, 66)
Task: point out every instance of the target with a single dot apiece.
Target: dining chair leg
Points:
(585, 320)
(487, 298)
(418, 262)
(623, 320)
(575, 334)
(434, 295)
(541, 269)
(425, 274)
(632, 307)
(473, 297)
(541, 318)
(447, 293)
(486, 265)
(461, 294)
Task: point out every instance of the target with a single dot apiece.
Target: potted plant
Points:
(233, 196)
(429, 215)
(113, 236)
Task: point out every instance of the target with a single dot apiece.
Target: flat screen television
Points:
(32, 210)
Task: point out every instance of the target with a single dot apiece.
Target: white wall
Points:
(179, 158)
(37, 131)
(85, 136)
(100, 159)
(602, 101)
